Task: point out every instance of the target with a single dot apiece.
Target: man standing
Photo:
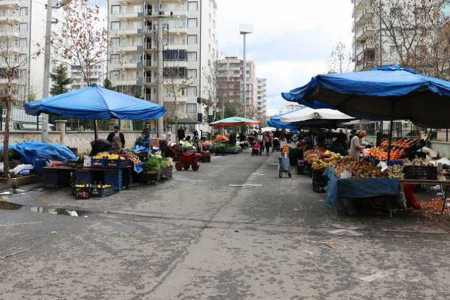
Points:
(117, 139)
(181, 134)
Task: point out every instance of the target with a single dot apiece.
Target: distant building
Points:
(98, 73)
(230, 81)
(289, 108)
(261, 102)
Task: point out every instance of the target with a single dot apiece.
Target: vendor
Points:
(117, 139)
(356, 145)
(100, 145)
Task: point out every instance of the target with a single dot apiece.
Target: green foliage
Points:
(31, 96)
(107, 84)
(60, 80)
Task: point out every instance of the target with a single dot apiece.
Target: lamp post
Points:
(48, 36)
(245, 29)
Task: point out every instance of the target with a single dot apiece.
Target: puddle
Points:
(43, 210)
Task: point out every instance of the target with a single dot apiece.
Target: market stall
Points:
(227, 145)
(388, 93)
(108, 171)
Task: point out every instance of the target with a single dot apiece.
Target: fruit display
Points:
(133, 158)
(221, 138)
(381, 153)
(399, 149)
(310, 155)
(327, 159)
(358, 169)
(418, 162)
(396, 172)
(105, 155)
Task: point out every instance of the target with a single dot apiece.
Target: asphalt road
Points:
(199, 237)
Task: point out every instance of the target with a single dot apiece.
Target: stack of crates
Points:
(114, 178)
(83, 177)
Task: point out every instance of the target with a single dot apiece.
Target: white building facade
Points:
(97, 72)
(261, 102)
(190, 51)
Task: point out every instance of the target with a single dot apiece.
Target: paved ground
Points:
(195, 237)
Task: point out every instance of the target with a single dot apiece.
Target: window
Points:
(169, 92)
(23, 11)
(192, 91)
(135, 74)
(192, 73)
(115, 25)
(115, 58)
(192, 56)
(171, 40)
(191, 107)
(115, 42)
(192, 23)
(192, 6)
(115, 75)
(137, 25)
(23, 27)
(115, 9)
(192, 40)
(23, 43)
(136, 41)
(137, 8)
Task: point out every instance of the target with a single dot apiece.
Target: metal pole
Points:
(245, 76)
(160, 68)
(381, 38)
(48, 35)
(390, 141)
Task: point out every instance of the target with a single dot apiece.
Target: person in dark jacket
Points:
(117, 139)
(100, 145)
(181, 134)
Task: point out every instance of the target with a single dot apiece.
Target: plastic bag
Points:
(346, 174)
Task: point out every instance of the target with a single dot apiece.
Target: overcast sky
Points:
(292, 38)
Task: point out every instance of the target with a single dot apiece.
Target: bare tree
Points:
(415, 31)
(340, 61)
(178, 84)
(83, 40)
(13, 60)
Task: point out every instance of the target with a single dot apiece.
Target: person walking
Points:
(116, 139)
(267, 142)
(181, 134)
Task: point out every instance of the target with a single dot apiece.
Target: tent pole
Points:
(95, 130)
(390, 141)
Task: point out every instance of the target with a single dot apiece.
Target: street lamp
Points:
(245, 29)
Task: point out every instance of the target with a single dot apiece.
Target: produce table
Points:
(444, 186)
(352, 188)
(118, 178)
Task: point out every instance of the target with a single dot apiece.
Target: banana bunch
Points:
(102, 186)
(83, 185)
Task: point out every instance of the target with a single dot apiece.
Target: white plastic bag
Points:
(346, 174)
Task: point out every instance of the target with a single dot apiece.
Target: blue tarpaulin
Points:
(358, 188)
(276, 121)
(387, 93)
(96, 103)
(33, 151)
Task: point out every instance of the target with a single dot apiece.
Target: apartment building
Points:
(190, 51)
(230, 81)
(97, 73)
(261, 102)
(289, 108)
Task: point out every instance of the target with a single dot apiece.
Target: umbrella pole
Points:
(390, 141)
(95, 130)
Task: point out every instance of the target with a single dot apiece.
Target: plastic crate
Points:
(83, 177)
(150, 176)
(319, 181)
(82, 193)
(56, 179)
(114, 178)
(166, 172)
(117, 163)
(102, 191)
(98, 163)
(420, 172)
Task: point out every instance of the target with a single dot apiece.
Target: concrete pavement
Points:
(199, 236)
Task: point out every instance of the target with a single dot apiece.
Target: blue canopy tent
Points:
(96, 103)
(387, 93)
(276, 121)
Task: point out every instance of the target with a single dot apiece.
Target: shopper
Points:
(267, 142)
(116, 139)
(356, 145)
(181, 134)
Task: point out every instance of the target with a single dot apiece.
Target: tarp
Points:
(358, 188)
(387, 93)
(268, 129)
(276, 121)
(234, 122)
(33, 151)
(96, 103)
(309, 115)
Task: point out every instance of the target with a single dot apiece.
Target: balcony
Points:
(10, 34)
(171, 99)
(364, 17)
(125, 31)
(9, 3)
(10, 19)
(148, 64)
(364, 33)
(128, 48)
(4, 81)
(179, 30)
(121, 82)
